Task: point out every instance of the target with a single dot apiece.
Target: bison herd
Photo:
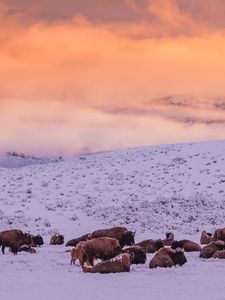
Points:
(116, 248)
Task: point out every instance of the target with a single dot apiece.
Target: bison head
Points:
(27, 239)
(176, 244)
(38, 240)
(137, 254)
(158, 244)
(178, 256)
(128, 239)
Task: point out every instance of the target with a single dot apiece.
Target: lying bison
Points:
(122, 234)
(137, 254)
(36, 240)
(57, 239)
(150, 246)
(120, 263)
(219, 254)
(206, 238)
(103, 248)
(27, 249)
(187, 245)
(14, 239)
(219, 235)
(167, 257)
(169, 239)
(209, 250)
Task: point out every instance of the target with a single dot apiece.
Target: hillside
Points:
(151, 190)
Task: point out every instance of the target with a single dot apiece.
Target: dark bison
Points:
(167, 257)
(103, 248)
(122, 234)
(14, 239)
(219, 235)
(150, 246)
(74, 242)
(169, 239)
(187, 245)
(206, 238)
(36, 240)
(209, 250)
(137, 254)
(57, 239)
(120, 263)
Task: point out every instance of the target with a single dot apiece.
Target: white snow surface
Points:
(152, 190)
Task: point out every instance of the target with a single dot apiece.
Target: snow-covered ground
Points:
(180, 188)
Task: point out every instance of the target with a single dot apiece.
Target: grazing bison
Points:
(103, 248)
(206, 238)
(57, 239)
(14, 239)
(120, 263)
(169, 239)
(209, 250)
(167, 257)
(137, 254)
(150, 246)
(76, 254)
(36, 240)
(74, 242)
(219, 254)
(219, 235)
(187, 245)
(124, 236)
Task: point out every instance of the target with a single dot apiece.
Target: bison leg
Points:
(14, 250)
(3, 249)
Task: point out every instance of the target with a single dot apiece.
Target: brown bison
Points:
(219, 235)
(137, 254)
(169, 239)
(150, 246)
(76, 254)
(103, 248)
(122, 234)
(206, 238)
(209, 250)
(167, 257)
(57, 239)
(219, 254)
(14, 239)
(187, 245)
(118, 264)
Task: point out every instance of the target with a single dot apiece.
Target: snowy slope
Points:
(151, 190)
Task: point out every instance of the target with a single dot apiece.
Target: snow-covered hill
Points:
(151, 190)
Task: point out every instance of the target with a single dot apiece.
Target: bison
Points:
(120, 263)
(76, 254)
(57, 239)
(103, 248)
(167, 257)
(150, 246)
(219, 254)
(14, 239)
(27, 249)
(169, 239)
(206, 238)
(137, 254)
(209, 250)
(36, 240)
(122, 234)
(187, 245)
(219, 235)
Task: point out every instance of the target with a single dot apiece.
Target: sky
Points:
(90, 75)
